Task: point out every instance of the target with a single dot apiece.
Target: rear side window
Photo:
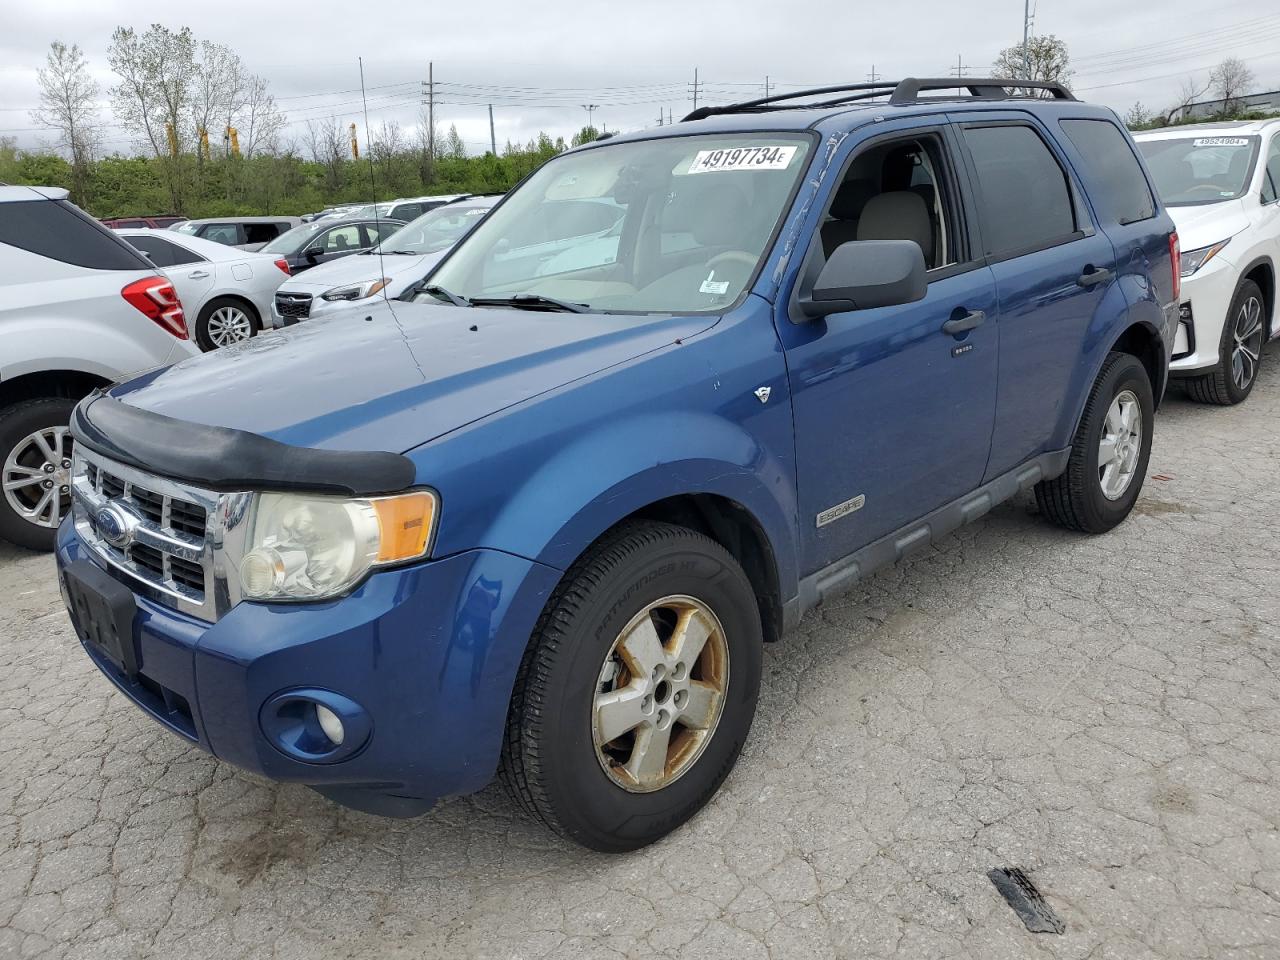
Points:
(1025, 201)
(261, 232)
(163, 253)
(221, 233)
(1271, 174)
(58, 230)
(1121, 191)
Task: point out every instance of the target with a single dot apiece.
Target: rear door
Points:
(191, 275)
(1052, 270)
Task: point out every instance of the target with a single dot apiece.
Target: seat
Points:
(898, 215)
(846, 207)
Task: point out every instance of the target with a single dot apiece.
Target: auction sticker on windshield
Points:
(1220, 142)
(743, 158)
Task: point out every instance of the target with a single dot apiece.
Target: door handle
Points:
(198, 274)
(964, 322)
(1092, 276)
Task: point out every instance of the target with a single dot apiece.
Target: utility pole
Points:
(873, 76)
(659, 116)
(429, 88)
(766, 86)
(697, 88)
(590, 108)
(669, 120)
(1026, 33)
(493, 140)
(959, 68)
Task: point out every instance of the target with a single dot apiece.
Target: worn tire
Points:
(550, 763)
(1218, 386)
(1075, 499)
(203, 339)
(17, 422)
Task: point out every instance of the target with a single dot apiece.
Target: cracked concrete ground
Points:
(1100, 711)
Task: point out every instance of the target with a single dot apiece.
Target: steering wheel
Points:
(1211, 187)
(734, 256)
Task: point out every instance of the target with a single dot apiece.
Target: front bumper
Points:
(1207, 293)
(430, 652)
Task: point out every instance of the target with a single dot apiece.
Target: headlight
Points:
(1193, 260)
(355, 291)
(307, 547)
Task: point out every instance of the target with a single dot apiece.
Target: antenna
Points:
(373, 186)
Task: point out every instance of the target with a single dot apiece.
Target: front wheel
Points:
(1239, 352)
(1109, 452)
(35, 470)
(638, 688)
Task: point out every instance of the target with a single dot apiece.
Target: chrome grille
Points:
(166, 549)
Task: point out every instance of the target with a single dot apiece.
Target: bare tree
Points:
(215, 89)
(1189, 92)
(68, 105)
(260, 120)
(327, 144)
(1230, 80)
(425, 141)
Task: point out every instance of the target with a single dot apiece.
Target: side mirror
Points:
(312, 254)
(862, 274)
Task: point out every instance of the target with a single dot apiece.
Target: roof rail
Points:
(899, 92)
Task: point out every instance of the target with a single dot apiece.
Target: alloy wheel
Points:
(1120, 446)
(1247, 343)
(229, 325)
(660, 694)
(37, 476)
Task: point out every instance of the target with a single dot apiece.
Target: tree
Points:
(1188, 93)
(1046, 60)
(585, 135)
(1230, 80)
(454, 147)
(156, 93)
(1137, 117)
(327, 143)
(68, 105)
(260, 120)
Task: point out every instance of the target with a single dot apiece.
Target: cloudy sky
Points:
(539, 63)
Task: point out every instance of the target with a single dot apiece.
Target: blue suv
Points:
(538, 516)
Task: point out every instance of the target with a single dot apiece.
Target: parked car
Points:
(323, 241)
(1221, 183)
(79, 309)
(247, 233)
(544, 524)
(130, 223)
(225, 292)
(386, 270)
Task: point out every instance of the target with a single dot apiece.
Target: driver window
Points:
(895, 191)
(341, 239)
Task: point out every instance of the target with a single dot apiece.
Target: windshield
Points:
(291, 241)
(436, 230)
(672, 225)
(186, 227)
(1192, 170)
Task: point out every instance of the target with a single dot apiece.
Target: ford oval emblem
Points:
(113, 525)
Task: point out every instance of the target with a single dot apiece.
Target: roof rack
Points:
(899, 93)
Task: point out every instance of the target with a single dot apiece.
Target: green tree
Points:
(1045, 59)
(68, 105)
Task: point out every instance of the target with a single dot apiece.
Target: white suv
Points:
(1221, 183)
(79, 309)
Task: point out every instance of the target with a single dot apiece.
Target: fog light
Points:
(330, 724)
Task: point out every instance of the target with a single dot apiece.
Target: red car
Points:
(158, 223)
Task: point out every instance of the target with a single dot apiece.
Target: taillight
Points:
(283, 264)
(1175, 258)
(155, 297)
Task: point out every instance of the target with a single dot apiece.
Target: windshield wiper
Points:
(435, 290)
(531, 301)
(387, 253)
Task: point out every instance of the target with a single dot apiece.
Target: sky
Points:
(540, 64)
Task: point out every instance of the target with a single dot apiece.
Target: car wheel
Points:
(224, 321)
(35, 470)
(638, 688)
(1109, 452)
(1239, 352)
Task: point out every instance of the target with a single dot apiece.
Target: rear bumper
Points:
(429, 652)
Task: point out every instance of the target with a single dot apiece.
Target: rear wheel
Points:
(35, 470)
(224, 321)
(1109, 452)
(638, 688)
(1239, 352)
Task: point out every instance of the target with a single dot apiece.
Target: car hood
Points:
(399, 376)
(399, 269)
(1205, 224)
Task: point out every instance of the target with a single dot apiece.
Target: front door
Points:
(893, 414)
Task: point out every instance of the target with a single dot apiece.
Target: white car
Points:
(401, 260)
(1221, 183)
(225, 292)
(79, 309)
